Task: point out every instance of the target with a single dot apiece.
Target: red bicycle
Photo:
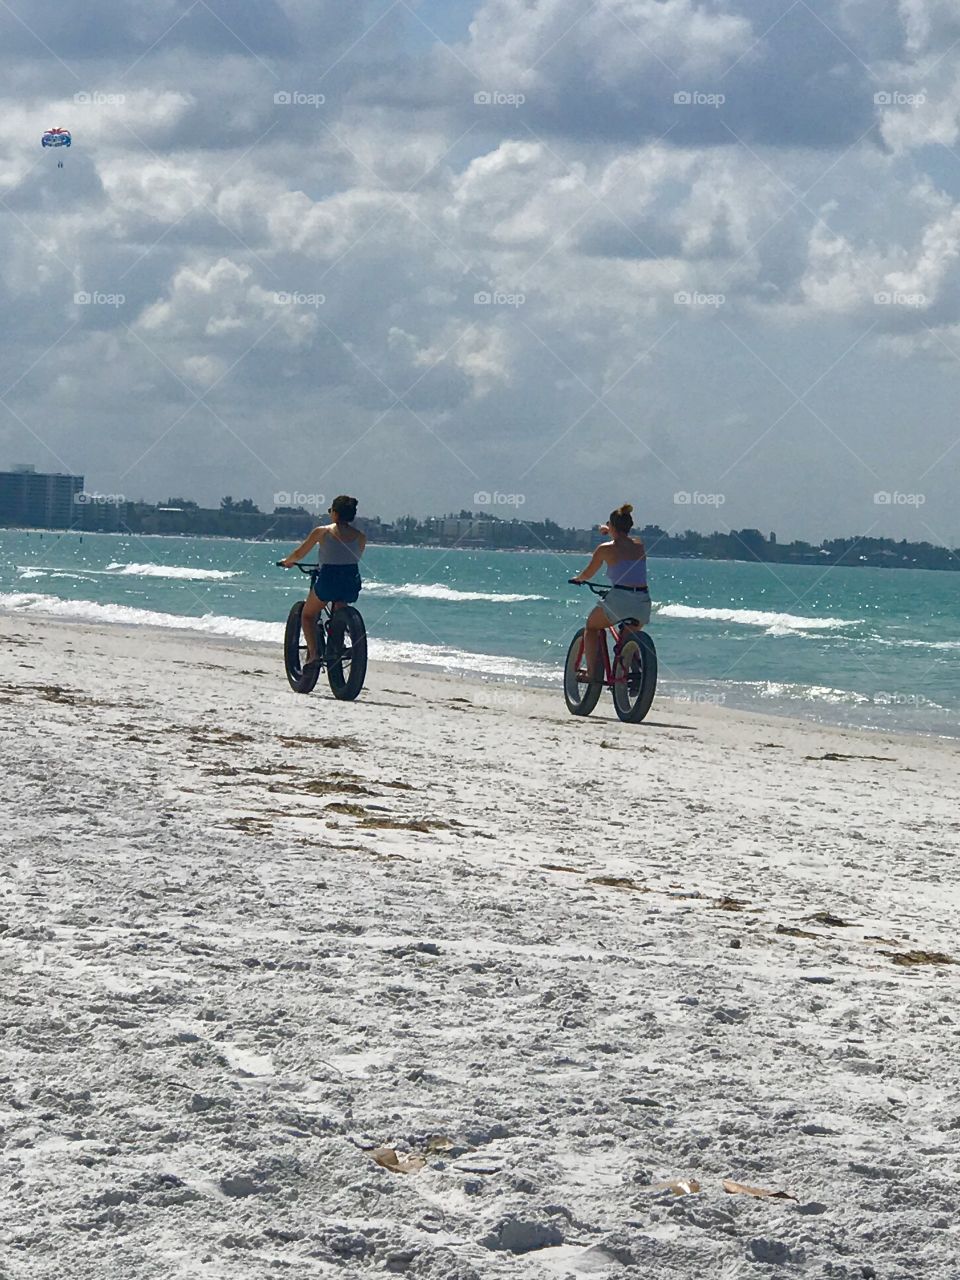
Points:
(631, 674)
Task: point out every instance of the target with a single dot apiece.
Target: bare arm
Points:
(592, 568)
(303, 548)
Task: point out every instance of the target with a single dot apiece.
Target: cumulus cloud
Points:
(620, 70)
(578, 244)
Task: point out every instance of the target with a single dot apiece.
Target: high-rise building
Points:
(39, 500)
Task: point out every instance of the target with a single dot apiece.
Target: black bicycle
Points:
(341, 647)
(631, 676)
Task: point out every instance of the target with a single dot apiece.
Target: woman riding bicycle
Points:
(628, 597)
(339, 548)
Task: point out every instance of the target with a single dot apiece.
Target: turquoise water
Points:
(869, 647)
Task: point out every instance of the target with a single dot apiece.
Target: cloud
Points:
(621, 70)
(929, 25)
(300, 274)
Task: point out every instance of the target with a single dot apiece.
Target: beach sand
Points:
(249, 937)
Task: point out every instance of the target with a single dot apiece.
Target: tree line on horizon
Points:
(243, 518)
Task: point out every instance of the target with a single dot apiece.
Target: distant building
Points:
(96, 515)
(466, 529)
(37, 499)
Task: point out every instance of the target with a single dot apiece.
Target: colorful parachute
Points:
(56, 138)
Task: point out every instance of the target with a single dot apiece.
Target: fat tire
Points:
(580, 698)
(632, 711)
(346, 626)
(300, 681)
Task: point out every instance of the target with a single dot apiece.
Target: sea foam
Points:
(446, 657)
(185, 572)
(775, 624)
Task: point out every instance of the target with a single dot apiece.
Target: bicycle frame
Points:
(341, 646)
(325, 616)
(609, 679)
(621, 632)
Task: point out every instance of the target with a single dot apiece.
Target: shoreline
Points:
(553, 686)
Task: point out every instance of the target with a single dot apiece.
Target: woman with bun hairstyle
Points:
(629, 597)
(339, 548)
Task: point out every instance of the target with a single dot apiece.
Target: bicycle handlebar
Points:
(304, 568)
(597, 591)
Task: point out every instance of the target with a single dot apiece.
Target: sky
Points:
(535, 257)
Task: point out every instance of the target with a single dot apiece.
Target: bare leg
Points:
(308, 623)
(333, 649)
(593, 638)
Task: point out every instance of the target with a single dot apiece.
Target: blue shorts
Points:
(337, 582)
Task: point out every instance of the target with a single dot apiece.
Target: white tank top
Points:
(334, 550)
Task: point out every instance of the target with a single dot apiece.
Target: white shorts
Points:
(620, 604)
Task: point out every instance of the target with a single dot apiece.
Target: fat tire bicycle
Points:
(631, 675)
(341, 646)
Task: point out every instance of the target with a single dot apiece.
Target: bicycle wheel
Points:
(634, 677)
(346, 653)
(580, 696)
(295, 653)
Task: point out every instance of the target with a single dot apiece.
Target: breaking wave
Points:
(775, 624)
(170, 571)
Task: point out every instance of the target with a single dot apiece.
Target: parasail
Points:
(56, 138)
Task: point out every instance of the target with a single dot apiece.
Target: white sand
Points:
(222, 988)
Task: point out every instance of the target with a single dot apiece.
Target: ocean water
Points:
(865, 647)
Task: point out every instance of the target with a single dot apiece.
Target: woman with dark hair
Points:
(339, 548)
(629, 595)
